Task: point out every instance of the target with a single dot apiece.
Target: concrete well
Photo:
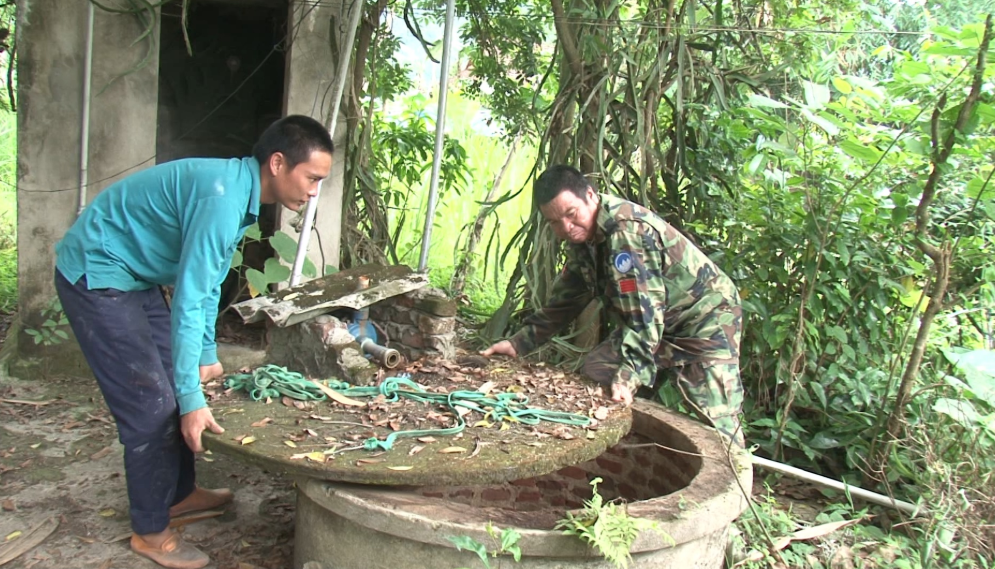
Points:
(692, 489)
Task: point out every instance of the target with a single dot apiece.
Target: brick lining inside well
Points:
(632, 474)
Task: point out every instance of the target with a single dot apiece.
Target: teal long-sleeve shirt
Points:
(177, 224)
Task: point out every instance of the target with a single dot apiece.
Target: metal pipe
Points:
(440, 123)
(340, 79)
(388, 357)
(855, 491)
(84, 143)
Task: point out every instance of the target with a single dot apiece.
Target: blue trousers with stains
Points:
(125, 337)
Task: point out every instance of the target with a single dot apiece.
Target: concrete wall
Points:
(311, 72)
(50, 92)
(123, 121)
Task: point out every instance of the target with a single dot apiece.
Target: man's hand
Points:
(622, 393)
(207, 373)
(193, 424)
(504, 348)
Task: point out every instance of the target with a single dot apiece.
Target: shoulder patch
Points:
(623, 262)
(625, 286)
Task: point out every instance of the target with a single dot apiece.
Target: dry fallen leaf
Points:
(426, 440)
(415, 450)
(452, 450)
(601, 413)
(486, 387)
(248, 440)
(9, 506)
(287, 402)
(106, 513)
(100, 453)
(363, 461)
(290, 444)
(262, 422)
(13, 535)
(400, 468)
(336, 396)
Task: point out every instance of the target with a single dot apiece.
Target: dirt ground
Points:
(60, 458)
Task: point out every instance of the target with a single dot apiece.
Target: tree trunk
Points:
(942, 257)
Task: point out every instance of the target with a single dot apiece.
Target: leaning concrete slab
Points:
(340, 290)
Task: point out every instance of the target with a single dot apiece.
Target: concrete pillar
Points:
(50, 90)
(311, 71)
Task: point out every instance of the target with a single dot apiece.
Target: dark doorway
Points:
(215, 102)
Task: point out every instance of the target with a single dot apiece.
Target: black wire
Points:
(320, 248)
(276, 47)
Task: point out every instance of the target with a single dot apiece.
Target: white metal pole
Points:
(855, 491)
(440, 124)
(340, 79)
(84, 143)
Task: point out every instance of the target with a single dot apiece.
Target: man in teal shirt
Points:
(177, 224)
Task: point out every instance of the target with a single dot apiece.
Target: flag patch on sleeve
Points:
(627, 285)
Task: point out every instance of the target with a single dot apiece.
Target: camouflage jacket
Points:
(672, 304)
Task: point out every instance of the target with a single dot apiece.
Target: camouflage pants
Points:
(713, 391)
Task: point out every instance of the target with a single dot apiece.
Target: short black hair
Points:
(294, 136)
(557, 179)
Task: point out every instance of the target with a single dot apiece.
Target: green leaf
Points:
(822, 441)
(842, 85)
(309, 270)
(284, 245)
(820, 393)
(274, 271)
(975, 186)
(942, 48)
(509, 537)
(62, 334)
(468, 543)
(817, 95)
(959, 410)
(253, 232)
(978, 369)
(830, 128)
(257, 280)
(860, 151)
(236, 260)
(762, 101)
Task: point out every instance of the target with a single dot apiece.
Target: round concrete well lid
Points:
(307, 439)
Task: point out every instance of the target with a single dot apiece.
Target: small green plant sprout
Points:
(506, 539)
(53, 329)
(274, 272)
(607, 527)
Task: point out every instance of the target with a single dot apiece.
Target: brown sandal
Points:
(174, 553)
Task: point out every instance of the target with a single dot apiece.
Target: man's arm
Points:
(637, 272)
(568, 298)
(209, 227)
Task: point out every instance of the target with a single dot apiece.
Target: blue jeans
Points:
(125, 337)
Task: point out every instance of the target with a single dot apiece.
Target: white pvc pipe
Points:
(440, 123)
(340, 79)
(855, 491)
(84, 144)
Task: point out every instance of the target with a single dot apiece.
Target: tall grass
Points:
(455, 213)
(8, 211)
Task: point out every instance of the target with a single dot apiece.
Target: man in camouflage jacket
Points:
(673, 312)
